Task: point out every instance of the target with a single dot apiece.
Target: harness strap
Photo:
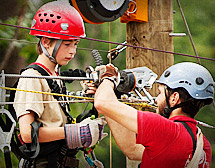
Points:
(199, 150)
(7, 157)
(35, 145)
(191, 134)
(53, 86)
(33, 149)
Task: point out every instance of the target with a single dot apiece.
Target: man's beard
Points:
(160, 108)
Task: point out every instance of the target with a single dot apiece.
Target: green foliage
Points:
(200, 18)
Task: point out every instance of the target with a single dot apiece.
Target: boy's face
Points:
(66, 51)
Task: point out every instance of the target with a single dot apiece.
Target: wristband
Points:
(110, 79)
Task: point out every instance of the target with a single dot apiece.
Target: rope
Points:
(47, 93)
(110, 41)
(103, 41)
(87, 99)
(143, 105)
(110, 143)
(70, 96)
(46, 102)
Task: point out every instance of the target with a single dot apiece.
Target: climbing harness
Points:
(26, 153)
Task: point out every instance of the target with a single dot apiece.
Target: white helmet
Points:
(193, 77)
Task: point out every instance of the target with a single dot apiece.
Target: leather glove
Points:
(110, 72)
(86, 133)
(73, 73)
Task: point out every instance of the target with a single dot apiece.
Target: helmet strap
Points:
(57, 45)
(168, 110)
(53, 57)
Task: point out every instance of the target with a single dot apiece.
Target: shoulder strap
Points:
(198, 154)
(191, 134)
(41, 71)
(52, 84)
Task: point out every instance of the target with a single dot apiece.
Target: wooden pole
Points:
(152, 34)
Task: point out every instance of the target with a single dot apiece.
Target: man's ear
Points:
(174, 99)
(46, 42)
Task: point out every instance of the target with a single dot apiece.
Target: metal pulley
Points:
(100, 11)
(141, 77)
(127, 81)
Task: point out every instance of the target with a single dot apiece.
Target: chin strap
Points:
(168, 110)
(53, 57)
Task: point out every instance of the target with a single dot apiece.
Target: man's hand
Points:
(109, 72)
(86, 133)
(88, 87)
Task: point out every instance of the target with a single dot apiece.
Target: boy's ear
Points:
(45, 41)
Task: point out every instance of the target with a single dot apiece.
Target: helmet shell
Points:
(58, 17)
(193, 77)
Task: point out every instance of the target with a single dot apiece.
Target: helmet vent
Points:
(167, 73)
(199, 81)
(41, 20)
(51, 15)
(45, 14)
(47, 20)
(53, 21)
(39, 14)
(186, 82)
(58, 17)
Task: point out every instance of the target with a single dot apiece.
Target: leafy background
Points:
(200, 17)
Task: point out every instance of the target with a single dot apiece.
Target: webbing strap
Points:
(41, 71)
(197, 157)
(7, 157)
(51, 58)
(51, 85)
(34, 150)
(57, 45)
(191, 134)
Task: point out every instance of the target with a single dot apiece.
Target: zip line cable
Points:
(110, 42)
(188, 31)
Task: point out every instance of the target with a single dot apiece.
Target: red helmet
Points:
(58, 17)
